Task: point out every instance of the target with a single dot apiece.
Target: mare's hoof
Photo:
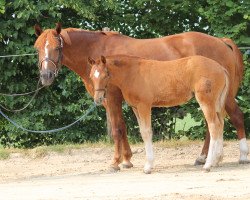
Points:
(244, 162)
(127, 165)
(199, 162)
(114, 169)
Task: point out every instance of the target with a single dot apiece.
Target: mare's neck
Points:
(75, 55)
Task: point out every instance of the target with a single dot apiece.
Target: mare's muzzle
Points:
(47, 77)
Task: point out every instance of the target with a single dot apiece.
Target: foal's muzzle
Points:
(99, 96)
(99, 101)
(47, 77)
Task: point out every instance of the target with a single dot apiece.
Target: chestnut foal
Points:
(149, 83)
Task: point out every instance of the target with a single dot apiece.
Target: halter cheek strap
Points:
(101, 89)
(57, 65)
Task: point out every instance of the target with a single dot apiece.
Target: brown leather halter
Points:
(57, 65)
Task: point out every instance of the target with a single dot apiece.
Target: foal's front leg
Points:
(143, 114)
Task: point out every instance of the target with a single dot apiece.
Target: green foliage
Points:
(66, 100)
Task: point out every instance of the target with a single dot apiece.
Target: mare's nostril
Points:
(50, 75)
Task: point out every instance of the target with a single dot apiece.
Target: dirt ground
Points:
(84, 174)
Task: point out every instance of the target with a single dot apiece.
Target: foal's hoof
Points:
(206, 170)
(244, 162)
(127, 165)
(147, 171)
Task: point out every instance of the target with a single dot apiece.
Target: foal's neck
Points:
(120, 70)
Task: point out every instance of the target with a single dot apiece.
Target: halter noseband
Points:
(57, 65)
(105, 88)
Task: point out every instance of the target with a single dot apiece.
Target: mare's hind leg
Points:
(143, 114)
(237, 119)
(203, 156)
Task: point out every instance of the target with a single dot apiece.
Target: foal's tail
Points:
(223, 96)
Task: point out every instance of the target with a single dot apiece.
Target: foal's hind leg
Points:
(215, 123)
(143, 114)
(237, 119)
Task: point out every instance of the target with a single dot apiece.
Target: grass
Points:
(185, 123)
(4, 154)
(43, 151)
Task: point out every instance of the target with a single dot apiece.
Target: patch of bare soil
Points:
(84, 174)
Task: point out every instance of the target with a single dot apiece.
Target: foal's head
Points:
(49, 45)
(99, 76)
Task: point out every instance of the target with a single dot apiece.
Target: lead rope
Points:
(83, 117)
(23, 94)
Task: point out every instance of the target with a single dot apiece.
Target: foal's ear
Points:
(38, 30)
(91, 61)
(103, 59)
(58, 28)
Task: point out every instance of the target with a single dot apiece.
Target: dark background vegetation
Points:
(66, 99)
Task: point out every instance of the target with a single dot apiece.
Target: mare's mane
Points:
(50, 34)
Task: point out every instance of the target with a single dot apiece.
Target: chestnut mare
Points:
(148, 83)
(71, 47)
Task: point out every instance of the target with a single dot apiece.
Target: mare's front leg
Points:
(143, 114)
(123, 152)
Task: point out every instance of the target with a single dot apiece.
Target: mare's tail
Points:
(239, 61)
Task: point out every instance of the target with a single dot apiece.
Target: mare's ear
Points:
(58, 28)
(91, 61)
(38, 30)
(103, 59)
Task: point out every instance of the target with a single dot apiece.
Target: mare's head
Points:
(99, 76)
(49, 45)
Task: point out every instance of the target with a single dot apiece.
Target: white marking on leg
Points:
(147, 138)
(97, 73)
(150, 157)
(243, 150)
(46, 50)
(215, 153)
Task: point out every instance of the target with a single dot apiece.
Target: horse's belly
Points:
(172, 100)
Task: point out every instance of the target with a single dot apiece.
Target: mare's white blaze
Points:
(243, 149)
(46, 50)
(97, 73)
